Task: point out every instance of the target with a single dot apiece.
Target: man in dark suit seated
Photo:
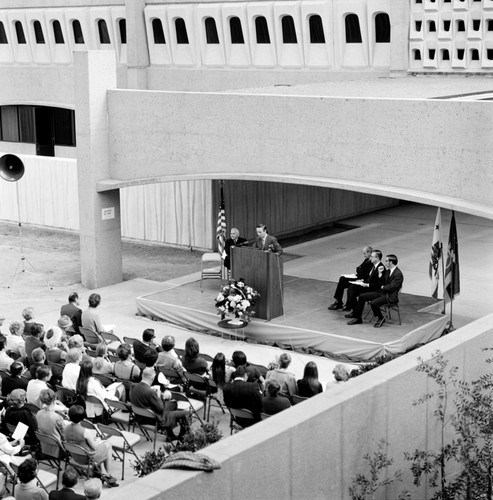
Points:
(266, 242)
(234, 241)
(388, 292)
(14, 380)
(362, 272)
(242, 394)
(141, 346)
(373, 282)
(69, 480)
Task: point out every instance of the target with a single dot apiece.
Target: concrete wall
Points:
(405, 148)
(315, 449)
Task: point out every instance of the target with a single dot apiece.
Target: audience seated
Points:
(15, 342)
(272, 403)
(221, 374)
(50, 421)
(35, 386)
(14, 380)
(125, 368)
(90, 318)
(17, 412)
(93, 488)
(309, 385)
(56, 349)
(239, 358)
(9, 450)
(192, 362)
(67, 327)
(101, 364)
(77, 434)
(38, 359)
(72, 311)
(77, 342)
(33, 340)
(141, 347)
(341, 374)
(5, 359)
(69, 480)
(168, 358)
(72, 368)
(242, 394)
(28, 315)
(28, 488)
(286, 379)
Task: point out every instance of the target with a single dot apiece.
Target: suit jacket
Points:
(393, 284)
(271, 242)
(240, 394)
(140, 349)
(363, 270)
(376, 279)
(65, 494)
(227, 248)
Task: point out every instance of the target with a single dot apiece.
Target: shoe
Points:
(336, 305)
(350, 315)
(110, 481)
(346, 308)
(379, 323)
(355, 321)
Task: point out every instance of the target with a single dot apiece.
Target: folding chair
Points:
(212, 391)
(66, 396)
(122, 442)
(179, 352)
(211, 272)
(240, 418)
(120, 413)
(391, 306)
(129, 340)
(52, 452)
(90, 336)
(197, 387)
(113, 358)
(93, 403)
(261, 369)
(173, 376)
(80, 459)
(109, 338)
(295, 399)
(105, 380)
(143, 427)
(91, 353)
(190, 404)
(32, 408)
(44, 478)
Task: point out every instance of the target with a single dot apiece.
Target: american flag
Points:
(221, 227)
(436, 255)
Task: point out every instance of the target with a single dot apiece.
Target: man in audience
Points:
(28, 488)
(38, 358)
(373, 282)
(35, 386)
(15, 342)
(14, 380)
(90, 318)
(242, 394)
(69, 480)
(34, 341)
(234, 241)
(273, 403)
(93, 488)
(285, 378)
(362, 272)
(28, 315)
(239, 359)
(140, 347)
(5, 359)
(146, 396)
(388, 292)
(167, 357)
(72, 309)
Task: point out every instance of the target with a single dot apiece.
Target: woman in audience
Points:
(28, 488)
(192, 362)
(17, 412)
(341, 374)
(65, 324)
(309, 385)
(56, 350)
(76, 434)
(221, 373)
(8, 450)
(15, 342)
(50, 422)
(126, 369)
(72, 368)
(28, 315)
(272, 403)
(87, 385)
(101, 364)
(77, 342)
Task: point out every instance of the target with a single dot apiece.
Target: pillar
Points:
(137, 49)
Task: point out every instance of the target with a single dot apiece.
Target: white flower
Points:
(220, 297)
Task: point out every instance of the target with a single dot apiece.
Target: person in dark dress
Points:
(192, 362)
(272, 403)
(309, 385)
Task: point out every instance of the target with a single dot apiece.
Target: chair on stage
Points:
(211, 272)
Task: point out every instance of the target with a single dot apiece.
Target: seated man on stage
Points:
(266, 242)
(370, 284)
(387, 293)
(362, 272)
(234, 241)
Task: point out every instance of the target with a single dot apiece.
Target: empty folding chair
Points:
(240, 418)
(152, 425)
(120, 413)
(190, 404)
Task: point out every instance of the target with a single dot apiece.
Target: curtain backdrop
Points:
(177, 213)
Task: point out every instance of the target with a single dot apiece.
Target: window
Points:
(382, 28)
(417, 54)
(26, 124)
(77, 29)
(104, 36)
(446, 25)
(460, 54)
(262, 30)
(316, 29)
(64, 126)
(57, 32)
(211, 35)
(157, 31)
(431, 54)
(10, 123)
(476, 24)
(3, 35)
(490, 24)
(235, 30)
(432, 26)
(122, 25)
(461, 25)
(418, 25)
(445, 55)
(489, 54)
(38, 32)
(419, 1)
(353, 32)
(181, 31)
(288, 30)
(474, 54)
(19, 31)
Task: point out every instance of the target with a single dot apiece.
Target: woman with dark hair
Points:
(101, 450)
(309, 385)
(192, 362)
(87, 385)
(28, 488)
(125, 368)
(221, 373)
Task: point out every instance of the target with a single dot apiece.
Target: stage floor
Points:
(306, 325)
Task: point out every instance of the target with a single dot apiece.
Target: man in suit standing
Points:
(233, 241)
(242, 394)
(69, 480)
(362, 272)
(266, 242)
(388, 291)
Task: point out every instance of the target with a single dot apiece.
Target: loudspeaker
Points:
(11, 168)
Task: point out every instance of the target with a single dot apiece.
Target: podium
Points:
(262, 271)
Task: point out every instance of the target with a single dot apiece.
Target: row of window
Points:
(447, 1)
(289, 35)
(37, 125)
(39, 36)
(460, 25)
(460, 54)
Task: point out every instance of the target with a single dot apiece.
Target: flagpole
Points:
(443, 278)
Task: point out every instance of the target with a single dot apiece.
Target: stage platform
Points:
(307, 325)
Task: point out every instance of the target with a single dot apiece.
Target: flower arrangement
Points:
(237, 299)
